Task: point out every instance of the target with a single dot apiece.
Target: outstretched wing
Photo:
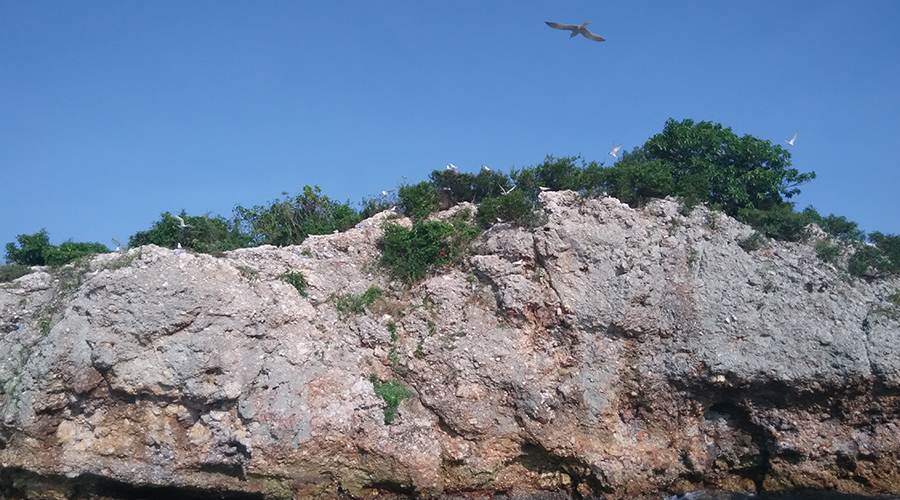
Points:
(590, 36)
(560, 26)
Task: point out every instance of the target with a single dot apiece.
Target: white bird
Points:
(485, 167)
(181, 223)
(542, 188)
(178, 250)
(385, 193)
(505, 191)
(577, 30)
(118, 244)
(614, 151)
(451, 167)
(791, 142)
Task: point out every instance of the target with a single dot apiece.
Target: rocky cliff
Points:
(611, 352)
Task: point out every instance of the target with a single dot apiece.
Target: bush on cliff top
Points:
(701, 162)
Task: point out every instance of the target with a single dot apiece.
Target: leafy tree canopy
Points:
(36, 250)
(708, 163)
(201, 234)
(290, 220)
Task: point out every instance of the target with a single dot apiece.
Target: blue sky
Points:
(113, 112)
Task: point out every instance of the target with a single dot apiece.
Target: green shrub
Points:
(878, 258)
(36, 250)
(828, 252)
(69, 251)
(419, 200)
(839, 227)
(754, 242)
(410, 253)
(779, 222)
(889, 244)
(513, 207)
(349, 303)
(31, 249)
(295, 279)
(205, 234)
(290, 220)
(10, 272)
(393, 393)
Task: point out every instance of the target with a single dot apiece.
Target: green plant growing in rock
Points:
(393, 393)
(349, 303)
(410, 253)
(10, 272)
(753, 242)
(295, 279)
(894, 298)
(249, 273)
(392, 329)
(828, 251)
(122, 261)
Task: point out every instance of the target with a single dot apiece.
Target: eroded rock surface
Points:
(611, 352)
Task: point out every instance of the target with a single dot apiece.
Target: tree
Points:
(290, 220)
(36, 250)
(708, 163)
(31, 252)
(202, 234)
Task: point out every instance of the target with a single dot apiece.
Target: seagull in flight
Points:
(577, 30)
(791, 142)
(385, 193)
(505, 191)
(614, 151)
(181, 223)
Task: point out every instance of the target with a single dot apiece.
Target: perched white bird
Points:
(178, 250)
(181, 223)
(542, 188)
(614, 151)
(577, 30)
(791, 142)
(505, 191)
(385, 193)
(485, 167)
(451, 167)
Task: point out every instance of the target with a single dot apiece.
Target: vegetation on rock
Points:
(699, 162)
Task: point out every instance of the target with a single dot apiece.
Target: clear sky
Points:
(113, 112)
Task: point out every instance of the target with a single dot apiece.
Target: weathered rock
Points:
(610, 352)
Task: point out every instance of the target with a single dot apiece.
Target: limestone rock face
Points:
(609, 352)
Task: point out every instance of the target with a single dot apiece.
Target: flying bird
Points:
(577, 30)
(791, 142)
(505, 191)
(385, 193)
(181, 223)
(614, 151)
